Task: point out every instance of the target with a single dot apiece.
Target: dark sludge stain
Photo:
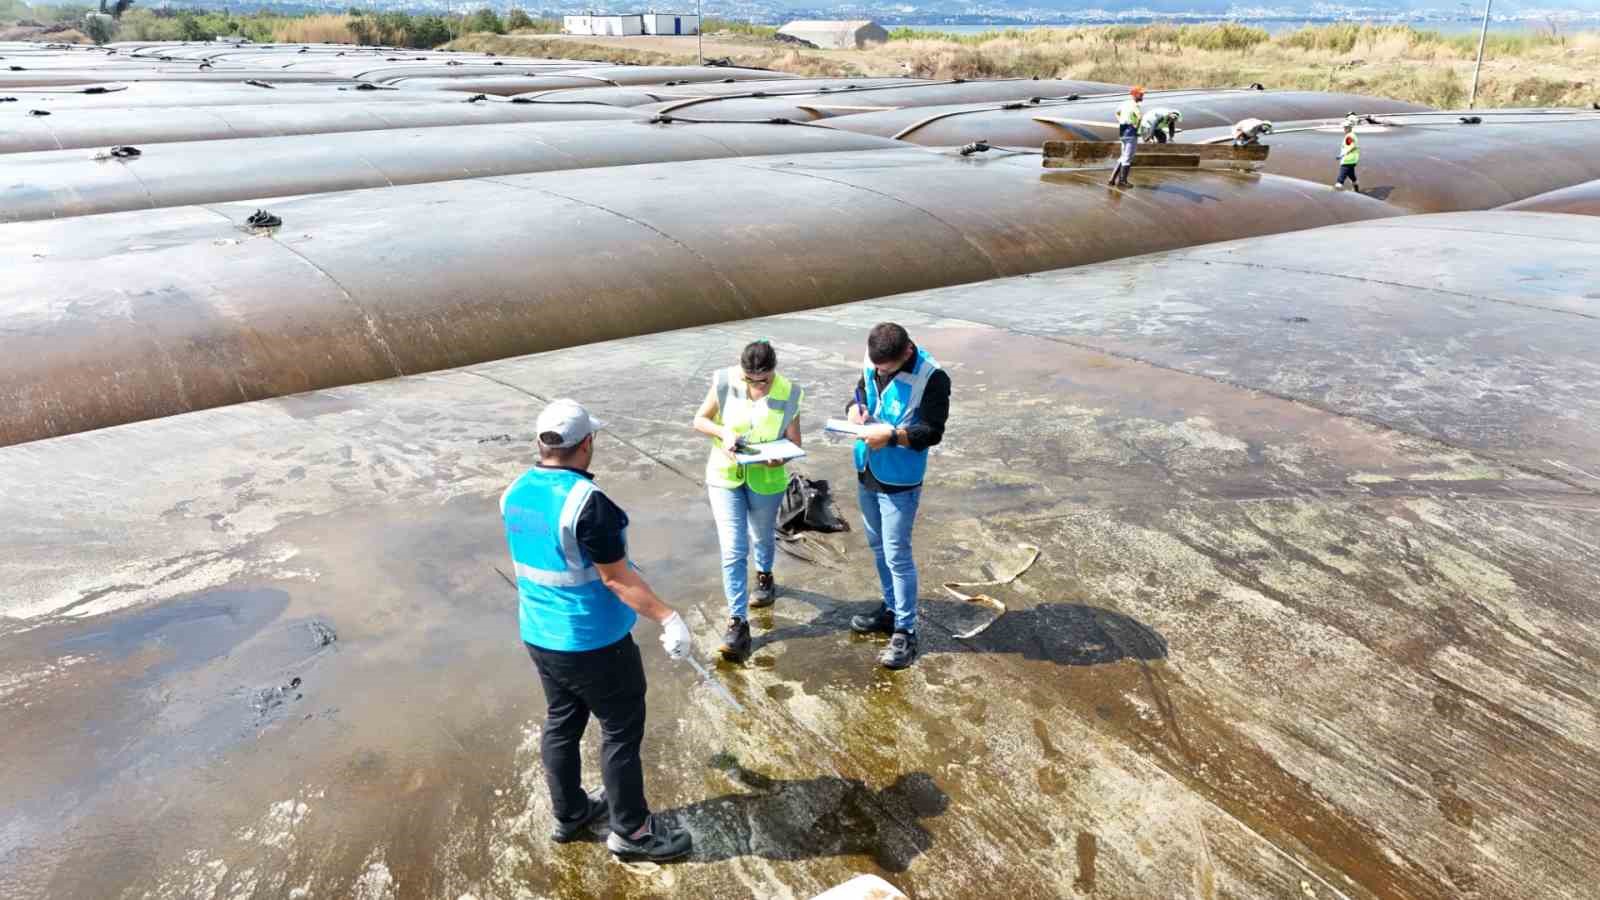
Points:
(264, 700)
(322, 634)
(1068, 634)
(189, 632)
(788, 820)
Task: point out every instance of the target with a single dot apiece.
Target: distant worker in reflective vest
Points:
(578, 598)
(1247, 132)
(1128, 116)
(1159, 125)
(749, 403)
(1349, 154)
(903, 397)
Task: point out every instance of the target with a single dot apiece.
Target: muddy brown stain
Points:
(1088, 849)
(1229, 769)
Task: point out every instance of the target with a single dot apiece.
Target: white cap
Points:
(568, 421)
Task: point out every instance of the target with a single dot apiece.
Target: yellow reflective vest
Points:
(1352, 150)
(1129, 113)
(758, 422)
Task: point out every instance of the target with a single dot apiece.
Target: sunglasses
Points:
(758, 380)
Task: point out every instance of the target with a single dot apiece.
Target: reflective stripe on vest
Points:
(763, 420)
(576, 570)
(563, 602)
(898, 404)
(1352, 150)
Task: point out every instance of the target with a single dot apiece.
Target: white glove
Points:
(675, 637)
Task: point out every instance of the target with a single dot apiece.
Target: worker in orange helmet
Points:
(1128, 116)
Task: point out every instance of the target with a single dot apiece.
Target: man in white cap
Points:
(578, 601)
(1160, 125)
(1247, 132)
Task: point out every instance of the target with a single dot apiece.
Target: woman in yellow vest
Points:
(748, 403)
(1349, 154)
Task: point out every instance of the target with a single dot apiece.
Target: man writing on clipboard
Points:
(903, 399)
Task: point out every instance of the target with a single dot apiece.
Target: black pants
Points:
(1347, 171)
(610, 683)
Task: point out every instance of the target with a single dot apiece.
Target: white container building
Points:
(603, 25)
(671, 23)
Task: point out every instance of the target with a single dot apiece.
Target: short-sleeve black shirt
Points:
(600, 525)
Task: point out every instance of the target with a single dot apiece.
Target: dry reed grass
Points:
(1550, 69)
(323, 29)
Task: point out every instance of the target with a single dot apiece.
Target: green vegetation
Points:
(484, 20)
(394, 29)
(1223, 36)
(732, 26)
(357, 26)
(904, 33)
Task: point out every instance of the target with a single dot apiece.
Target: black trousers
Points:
(608, 682)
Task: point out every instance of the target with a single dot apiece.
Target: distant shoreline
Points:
(1272, 25)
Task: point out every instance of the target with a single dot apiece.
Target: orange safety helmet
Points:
(1137, 91)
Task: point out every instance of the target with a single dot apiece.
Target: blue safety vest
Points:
(563, 603)
(899, 404)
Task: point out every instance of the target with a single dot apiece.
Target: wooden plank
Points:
(1081, 151)
(1097, 151)
(1166, 161)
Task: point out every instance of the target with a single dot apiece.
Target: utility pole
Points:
(700, 34)
(1483, 36)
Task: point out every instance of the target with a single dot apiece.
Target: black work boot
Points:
(566, 832)
(658, 844)
(901, 652)
(1122, 180)
(1115, 174)
(736, 640)
(765, 592)
(879, 622)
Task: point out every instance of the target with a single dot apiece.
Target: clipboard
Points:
(781, 450)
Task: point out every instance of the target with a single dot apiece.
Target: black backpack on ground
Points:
(808, 506)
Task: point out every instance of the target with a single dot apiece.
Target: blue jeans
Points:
(744, 516)
(888, 519)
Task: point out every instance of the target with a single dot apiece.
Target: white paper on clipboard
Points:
(843, 426)
(781, 450)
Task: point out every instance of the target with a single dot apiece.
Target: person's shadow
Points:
(1069, 634)
(815, 817)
